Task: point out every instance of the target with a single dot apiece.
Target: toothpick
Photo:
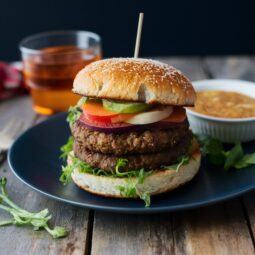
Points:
(138, 35)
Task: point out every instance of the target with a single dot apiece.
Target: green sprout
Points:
(38, 220)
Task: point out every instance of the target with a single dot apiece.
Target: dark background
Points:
(170, 27)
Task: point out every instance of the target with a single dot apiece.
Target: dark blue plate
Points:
(34, 159)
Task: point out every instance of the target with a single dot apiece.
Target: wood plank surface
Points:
(217, 229)
(20, 240)
(132, 234)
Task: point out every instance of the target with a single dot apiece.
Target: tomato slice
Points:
(178, 115)
(101, 124)
(97, 118)
(96, 112)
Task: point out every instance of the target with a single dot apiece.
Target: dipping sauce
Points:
(224, 104)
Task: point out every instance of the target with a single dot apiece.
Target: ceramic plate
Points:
(34, 159)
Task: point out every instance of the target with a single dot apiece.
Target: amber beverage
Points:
(49, 73)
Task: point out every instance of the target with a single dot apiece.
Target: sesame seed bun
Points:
(160, 181)
(135, 79)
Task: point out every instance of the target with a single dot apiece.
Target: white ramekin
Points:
(227, 130)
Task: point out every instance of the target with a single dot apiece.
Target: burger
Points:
(130, 134)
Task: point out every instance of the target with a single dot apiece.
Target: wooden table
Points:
(225, 228)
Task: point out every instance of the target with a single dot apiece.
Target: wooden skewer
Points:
(138, 35)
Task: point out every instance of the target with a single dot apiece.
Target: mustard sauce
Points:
(224, 104)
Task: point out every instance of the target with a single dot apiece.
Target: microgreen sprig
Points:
(74, 112)
(22, 217)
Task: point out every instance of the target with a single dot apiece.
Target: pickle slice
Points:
(124, 107)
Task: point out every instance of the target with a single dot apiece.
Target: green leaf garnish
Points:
(129, 189)
(67, 148)
(73, 115)
(233, 158)
(209, 145)
(22, 217)
(245, 161)
(57, 232)
(74, 112)
(146, 198)
(120, 164)
(65, 176)
(183, 160)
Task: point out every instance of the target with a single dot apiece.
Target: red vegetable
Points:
(108, 127)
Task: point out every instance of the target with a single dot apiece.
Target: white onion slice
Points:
(151, 117)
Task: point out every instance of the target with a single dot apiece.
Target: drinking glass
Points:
(50, 62)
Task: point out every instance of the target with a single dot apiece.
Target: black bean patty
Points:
(147, 161)
(135, 142)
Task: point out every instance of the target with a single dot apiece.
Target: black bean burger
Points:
(130, 134)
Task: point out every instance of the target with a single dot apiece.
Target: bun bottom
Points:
(160, 181)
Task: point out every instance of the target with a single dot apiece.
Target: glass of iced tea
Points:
(51, 60)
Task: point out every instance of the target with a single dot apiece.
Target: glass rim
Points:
(25, 49)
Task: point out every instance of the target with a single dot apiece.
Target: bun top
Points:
(135, 79)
